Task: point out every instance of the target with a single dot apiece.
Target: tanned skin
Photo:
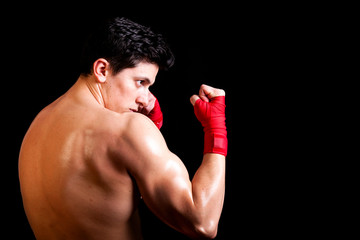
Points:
(89, 156)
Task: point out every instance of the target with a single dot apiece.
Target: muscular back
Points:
(71, 187)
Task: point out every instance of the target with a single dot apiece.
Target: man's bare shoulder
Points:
(139, 139)
(128, 123)
(131, 128)
(140, 127)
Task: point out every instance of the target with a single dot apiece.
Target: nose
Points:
(143, 99)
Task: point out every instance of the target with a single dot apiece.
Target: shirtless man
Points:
(89, 156)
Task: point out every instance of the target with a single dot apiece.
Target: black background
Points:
(258, 54)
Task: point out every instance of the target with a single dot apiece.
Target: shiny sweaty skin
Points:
(71, 183)
(88, 157)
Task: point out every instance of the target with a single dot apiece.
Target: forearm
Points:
(208, 184)
(208, 188)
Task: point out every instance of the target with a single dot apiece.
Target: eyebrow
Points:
(145, 79)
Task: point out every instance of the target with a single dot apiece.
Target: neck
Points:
(94, 88)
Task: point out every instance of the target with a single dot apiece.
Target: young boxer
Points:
(89, 156)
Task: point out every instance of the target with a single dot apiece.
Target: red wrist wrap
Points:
(156, 115)
(212, 117)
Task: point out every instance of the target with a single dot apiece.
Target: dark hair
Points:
(124, 44)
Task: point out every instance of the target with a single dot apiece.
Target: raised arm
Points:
(191, 207)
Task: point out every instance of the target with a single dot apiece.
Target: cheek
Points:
(124, 91)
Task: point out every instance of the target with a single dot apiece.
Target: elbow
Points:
(206, 231)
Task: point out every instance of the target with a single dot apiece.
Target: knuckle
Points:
(220, 92)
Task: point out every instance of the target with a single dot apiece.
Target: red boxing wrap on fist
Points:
(156, 115)
(212, 117)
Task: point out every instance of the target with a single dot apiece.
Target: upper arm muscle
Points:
(161, 176)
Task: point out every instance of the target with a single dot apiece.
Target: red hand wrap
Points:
(212, 117)
(156, 115)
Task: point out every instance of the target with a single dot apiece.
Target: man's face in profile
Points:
(128, 90)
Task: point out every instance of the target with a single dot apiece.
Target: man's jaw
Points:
(138, 109)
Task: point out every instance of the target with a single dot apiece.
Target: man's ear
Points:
(101, 69)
